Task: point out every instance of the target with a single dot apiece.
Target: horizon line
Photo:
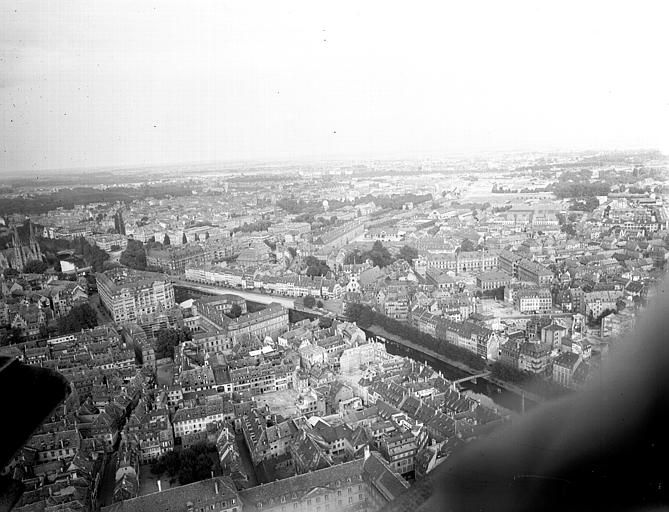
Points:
(332, 158)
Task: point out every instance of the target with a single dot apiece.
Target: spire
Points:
(34, 244)
(19, 260)
(15, 237)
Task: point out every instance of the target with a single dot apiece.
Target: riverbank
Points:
(375, 330)
(379, 331)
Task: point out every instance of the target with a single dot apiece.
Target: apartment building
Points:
(127, 294)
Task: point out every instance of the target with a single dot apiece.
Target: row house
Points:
(195, 419)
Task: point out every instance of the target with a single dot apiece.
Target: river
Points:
(502, 397)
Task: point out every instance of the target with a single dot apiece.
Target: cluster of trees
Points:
(35, 267)
(310, 301)
(408, 253)
(10, 336)
(189, 465)
(526, 380)
(587, 204)
(380, 256)
(395, 201)
(316, 222)
(365, 317)
(235, 311)
(68, 197)
(307, 210)
(316, 267)
(79, 317)
(9, 273)
(261, 225)
(294, 206)
(92, 255)
(581, 189)
(467, 246)
(134, 255)
(167, 338)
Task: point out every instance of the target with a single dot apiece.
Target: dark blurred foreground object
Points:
(604, 448)
(29, 395)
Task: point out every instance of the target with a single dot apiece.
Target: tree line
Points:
(67, 198)
(380, 255)
(365, 317)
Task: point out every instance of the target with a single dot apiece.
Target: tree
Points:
(168, 338)
(316, 267)
(361, 315)
(11, 336)
(324, 322)
(319, 304)
(166, 239)
(309, 301)
(379, 255)
(79, 317)
(568, 229)
(9, 273)
(467, 245)
(261, 225)
(408, 253)
(206, 235)
(235, 311)
(190, 465)
(292, 251)
(35, 267)
(134, 255)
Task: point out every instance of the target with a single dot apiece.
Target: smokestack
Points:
(160, 488)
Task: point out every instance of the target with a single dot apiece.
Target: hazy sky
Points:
(97, 83)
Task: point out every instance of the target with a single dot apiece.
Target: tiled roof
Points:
(199, 494)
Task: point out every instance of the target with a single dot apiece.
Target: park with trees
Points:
(189, 465)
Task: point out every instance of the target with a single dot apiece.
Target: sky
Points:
(118, 83)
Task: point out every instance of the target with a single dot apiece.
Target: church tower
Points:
(19, 257)
(34, 244)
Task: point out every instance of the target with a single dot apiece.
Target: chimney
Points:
(160, 488)
(366, 452)
(215, 484)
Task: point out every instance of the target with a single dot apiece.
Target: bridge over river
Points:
(468, 374)
(253, 296)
